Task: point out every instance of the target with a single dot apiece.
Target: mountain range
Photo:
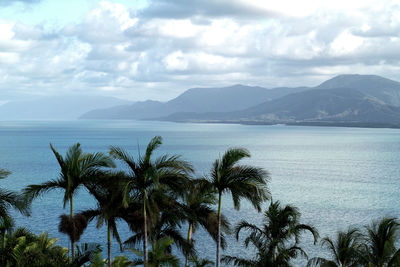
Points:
(345, 100)
(198, 100)
(356, 100)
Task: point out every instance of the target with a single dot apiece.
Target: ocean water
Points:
(337, 177)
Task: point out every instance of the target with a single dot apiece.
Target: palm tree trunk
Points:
(189, 238)
(217, 262)
(71, 207)
(145, 230)
(109, 243)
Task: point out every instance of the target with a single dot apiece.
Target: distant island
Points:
(350, 100)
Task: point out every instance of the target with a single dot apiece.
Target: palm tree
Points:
(10, 199)
(77, 168)
(277, 241)
(380, 243)
(241, 181)
(27, 249)
(196, 206)
(147, 175)
(345, 250)
(108, 191)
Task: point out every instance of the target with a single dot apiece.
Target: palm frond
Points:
(34, 191)
(85, 253)
(232, 156)
(154, 143)
(244, 225)
(73, 227)
(10, 199)
(59, 158)
(122, 155)
(237, 261)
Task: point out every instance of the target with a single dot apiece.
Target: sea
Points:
(337, 177)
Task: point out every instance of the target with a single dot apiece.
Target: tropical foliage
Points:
(277, 241)
(164, 207)
(107, 189)
(241, 181)
(23, 248)
(77, 168)
(151, 184)
(10, 199)
(345, 250)
(197, 205)
(380, 243)
(159, 255)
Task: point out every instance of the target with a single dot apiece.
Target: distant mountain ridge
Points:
(350, 99)
(381, 88)
(197, 100)
(345, 99)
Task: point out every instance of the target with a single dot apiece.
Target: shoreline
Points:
(300, 123)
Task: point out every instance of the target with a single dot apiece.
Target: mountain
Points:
(338, 104)
(345, 99)
(382, 89)
(55, 108)
(197, 100)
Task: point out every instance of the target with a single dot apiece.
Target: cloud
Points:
(180, 9)
(169, 46)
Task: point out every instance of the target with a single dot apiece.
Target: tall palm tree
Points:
(10, 199)
(108, 191)
(345, 250)
(380, 243)
(77, 168)
(241, 181)
(196, 205)
(277, 241)
(147, 175)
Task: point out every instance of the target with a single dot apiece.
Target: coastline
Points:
(299, 123)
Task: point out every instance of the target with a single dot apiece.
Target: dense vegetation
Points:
(155, 196)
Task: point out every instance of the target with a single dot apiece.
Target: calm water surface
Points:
(337, 177)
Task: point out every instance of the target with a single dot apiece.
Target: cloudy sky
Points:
(141, 49)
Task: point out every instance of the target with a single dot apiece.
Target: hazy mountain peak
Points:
(358, 81)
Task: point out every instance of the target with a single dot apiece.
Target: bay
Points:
(337, 177)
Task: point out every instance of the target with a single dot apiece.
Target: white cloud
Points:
(346, 43)
(169, 46)
(177, 28)
(176, 61)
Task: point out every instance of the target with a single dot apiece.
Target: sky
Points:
(156, 49)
